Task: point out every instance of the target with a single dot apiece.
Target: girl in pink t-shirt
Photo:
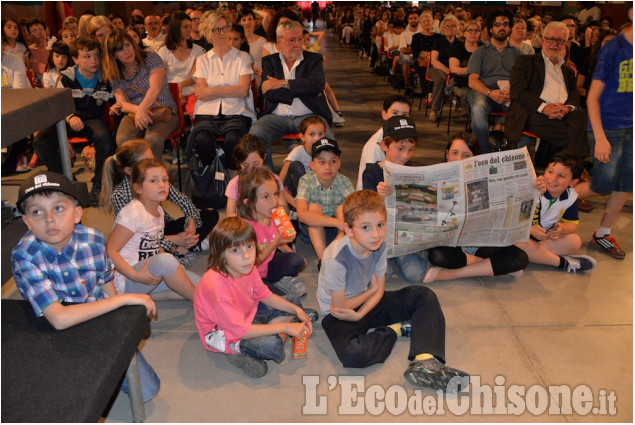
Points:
(235, 312)
(279, 264)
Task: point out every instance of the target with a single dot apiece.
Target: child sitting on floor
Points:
(553, 234)
(59, 260)
(235, 313)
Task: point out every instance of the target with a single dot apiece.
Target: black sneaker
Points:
(406, 328)
(579, 263)
(313, 314)
(434, 374)
(252, 367)
(609, 245)
(93, 196)
(292, 286)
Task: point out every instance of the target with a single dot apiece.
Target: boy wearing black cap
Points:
(60, 260)
(321, 194)
(400, 140)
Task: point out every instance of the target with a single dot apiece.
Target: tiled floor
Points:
(547, 328)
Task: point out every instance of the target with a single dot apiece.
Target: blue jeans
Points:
(412, 267)
(150, 382)
(268, 347)
(481, 107)
(271, 127)
(617, 175)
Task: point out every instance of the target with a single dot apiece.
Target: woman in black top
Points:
(439, 62)
(459, 57)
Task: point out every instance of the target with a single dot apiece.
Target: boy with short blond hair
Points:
(353, 301)
(59, 260)
(321, 194)
(553, 237)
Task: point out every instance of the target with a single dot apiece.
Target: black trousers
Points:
(357, 348)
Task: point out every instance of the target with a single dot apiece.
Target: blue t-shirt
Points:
(615, 69)
(88, 86)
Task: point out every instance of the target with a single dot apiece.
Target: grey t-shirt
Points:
(491, 65)
(344, 269)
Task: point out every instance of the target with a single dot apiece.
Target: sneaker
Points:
(252, 367)
(609, 245)
(579, 262)
(292, 286)
(93, 196)
(185, 260)
(434, 374)
(313, 314)
(338, 121)
(406, 328)
(202, 246)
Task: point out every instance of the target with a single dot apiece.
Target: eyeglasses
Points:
(501, 24)
(450, 27)
(558, 41)
(196, 19)
(473, 31)
(294, 40)
(219, 30)
(520, 29)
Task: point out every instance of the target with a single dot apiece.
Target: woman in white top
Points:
(179, 53)
(247, 19)
(223, 77)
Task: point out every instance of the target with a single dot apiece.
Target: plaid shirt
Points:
(310, 189)
(122, 194)
(76, 274)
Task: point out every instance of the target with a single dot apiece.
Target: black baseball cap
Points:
(325, 144)
(400, 128)
(42, 182)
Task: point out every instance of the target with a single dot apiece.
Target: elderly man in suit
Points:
(292, 85)
(544, 99)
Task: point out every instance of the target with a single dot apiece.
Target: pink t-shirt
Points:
(227, 304)
(231, 191)
(264, 235)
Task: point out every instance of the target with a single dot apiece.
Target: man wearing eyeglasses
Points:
(155, 40)
(544, 99)
(488, 70)
(197, 37)
(292, 85)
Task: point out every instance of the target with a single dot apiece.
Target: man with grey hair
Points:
(544, 99)
(155, 40)
(292, 85)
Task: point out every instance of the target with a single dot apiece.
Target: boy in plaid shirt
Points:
(60, 261)
(321, 194)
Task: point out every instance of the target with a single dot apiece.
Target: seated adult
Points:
(489, 64)
(139, 84)
(155, 39)
(518, 38)
(544, 97)
(38, 53)
(222, 77)
(292, 85)
(179, 53)
(196, 36)
(247, 19)
(98, 27)
(460, 57)
(440, 62)
(422, 44)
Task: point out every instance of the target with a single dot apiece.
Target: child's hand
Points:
(186, 239)
(346, 314)
(384, 189)
(142, 299)
(115, 109)
(76, 123)
(144, 276)
(301, 315)
(539, 233)
(181, 250)
(554, 232)
(298, 330)
(540, 185)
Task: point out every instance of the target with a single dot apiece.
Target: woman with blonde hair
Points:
(223, 76)
(140, 87)
(82, 25)
(99, 27)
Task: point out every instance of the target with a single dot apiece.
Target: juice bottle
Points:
(299, 348)
(281, 220)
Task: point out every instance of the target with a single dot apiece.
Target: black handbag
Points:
(210, 182)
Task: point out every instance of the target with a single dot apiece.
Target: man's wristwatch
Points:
(285, 84)
(488, 92)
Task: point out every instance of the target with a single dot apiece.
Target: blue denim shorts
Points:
(617, 175)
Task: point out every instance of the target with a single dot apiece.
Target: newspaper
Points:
(486, 200)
